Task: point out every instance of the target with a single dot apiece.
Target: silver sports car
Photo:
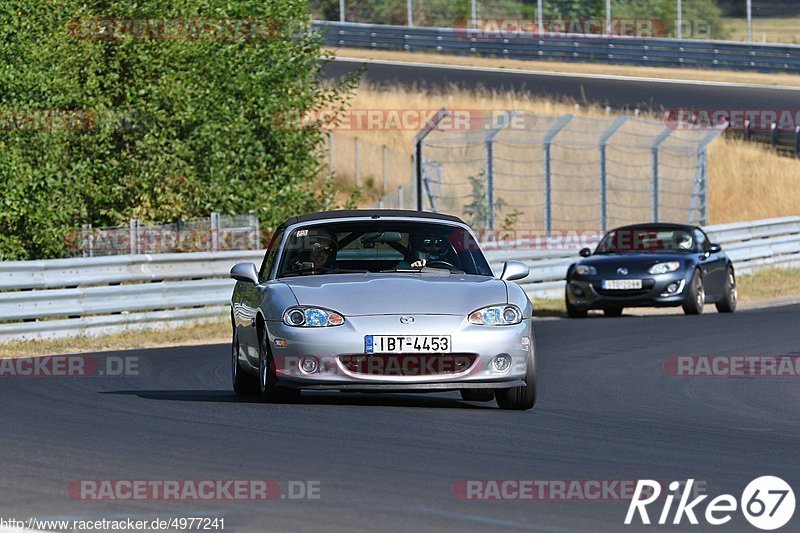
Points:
(381, 300)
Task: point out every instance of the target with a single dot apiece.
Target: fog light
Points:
(501, 363)
(673, 288)
(577, 291)
(309, 365)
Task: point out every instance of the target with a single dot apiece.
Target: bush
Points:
(161, 127)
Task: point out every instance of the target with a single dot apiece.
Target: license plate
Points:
(407, 344)
(622, 284)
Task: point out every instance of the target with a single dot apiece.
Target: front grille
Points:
(407, 364)
(647, 286)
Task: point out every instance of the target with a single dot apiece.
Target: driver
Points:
(427, 248)
(320, 253)
(683, 241)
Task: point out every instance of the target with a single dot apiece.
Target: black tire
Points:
(731, 296)
(695, 296)
(477, 395)
(573, 311)
(243, 383)
(612, 311)
(519, 398)
(268, 387)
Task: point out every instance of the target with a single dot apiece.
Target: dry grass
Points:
(208, 333)
(579, 68)
(773, 283)
(766, 30)
(746, 181)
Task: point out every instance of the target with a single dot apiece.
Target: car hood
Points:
(396, 293)
(634, 262)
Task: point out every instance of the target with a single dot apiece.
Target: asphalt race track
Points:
(607, 410)
(618, 93)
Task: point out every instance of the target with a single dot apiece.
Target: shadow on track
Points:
(312, 398)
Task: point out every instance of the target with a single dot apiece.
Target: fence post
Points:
(489, 144)
(252, 220)
(400, 197)
(746, 130)
(341, 11)
(409, 12)
(773, 135)
(385, 170)
(548, 186)
(418, 161)
(655, 148)
(214, 232)
(134, 236)
(604, 138)
(357, 154)
(330, 153)
(797, 141)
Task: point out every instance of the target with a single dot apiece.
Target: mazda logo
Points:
(406, 319)
(622, 271)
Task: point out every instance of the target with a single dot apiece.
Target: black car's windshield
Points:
(380, 246)
(642, 240)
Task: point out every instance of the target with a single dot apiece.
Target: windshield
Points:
(381, 246)
(647, 240)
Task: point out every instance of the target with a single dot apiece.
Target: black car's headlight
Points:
(664, 268)
(496, 315)
(312, 317)
(585, 270)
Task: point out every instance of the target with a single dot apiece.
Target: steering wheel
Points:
(445, 264)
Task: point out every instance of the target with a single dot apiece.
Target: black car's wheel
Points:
(243, 383)
(731, 296)
(269, 390)
(477, 395)
(519, 398)
(612, 311)
(574, 311)
(695, 296)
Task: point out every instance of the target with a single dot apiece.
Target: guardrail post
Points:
(418, 159)
(655, 148)
(252, 219)
(797, 141)
(489, 144)
(357, 155)
(548, 186)
(134, 236)
(385, 170)
(604, 138)
(214, 232)
(330, 153)
(773, 135)
(747, 131)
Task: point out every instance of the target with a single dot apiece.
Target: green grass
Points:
(770, 30)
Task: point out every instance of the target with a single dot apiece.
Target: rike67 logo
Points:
(767, 503)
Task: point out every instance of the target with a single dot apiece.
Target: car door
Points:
(249, 300)
(712, 265)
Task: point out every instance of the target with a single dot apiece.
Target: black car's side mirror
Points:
(715, 248)
(585, 252)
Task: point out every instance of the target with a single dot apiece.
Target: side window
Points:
(702, 240)
(270, 256)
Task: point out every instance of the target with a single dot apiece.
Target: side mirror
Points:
(715, 248)
(585, 252)
(245, 272)
(514, 270)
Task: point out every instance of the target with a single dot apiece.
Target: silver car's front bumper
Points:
(472, 347)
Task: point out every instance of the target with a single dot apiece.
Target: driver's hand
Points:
(419, 264)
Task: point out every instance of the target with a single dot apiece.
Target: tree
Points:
(160, 111)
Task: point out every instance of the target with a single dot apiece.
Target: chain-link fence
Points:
(566, 172)
(212, 234)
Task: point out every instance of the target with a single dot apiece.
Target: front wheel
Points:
(269, 390)
(696, 297)
(243, 383)
(520, 398)
(731, 296)
(477, 395)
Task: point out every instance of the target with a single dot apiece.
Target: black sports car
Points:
(651, 265)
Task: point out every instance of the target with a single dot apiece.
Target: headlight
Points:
(313, 317)
(496, 315)
(663, 268)
(585, 270)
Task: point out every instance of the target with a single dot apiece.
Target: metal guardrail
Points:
(100, 295)
(657, 52)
